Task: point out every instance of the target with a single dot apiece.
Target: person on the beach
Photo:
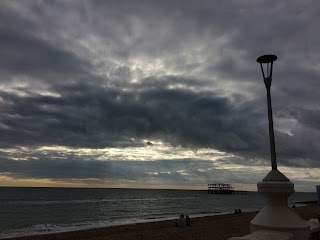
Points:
(187, 221)
(236, 211)
(181, 221)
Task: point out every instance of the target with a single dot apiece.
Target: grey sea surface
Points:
(32, 211)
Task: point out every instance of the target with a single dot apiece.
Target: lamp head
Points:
(266, 61)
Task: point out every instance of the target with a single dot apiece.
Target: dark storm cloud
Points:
(87, 55)
(308, 117)
(97, 117)
(26, 55)
(100, 118)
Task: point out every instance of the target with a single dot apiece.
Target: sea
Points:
(33, 211)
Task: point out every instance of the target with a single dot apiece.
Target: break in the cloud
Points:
(95, 81)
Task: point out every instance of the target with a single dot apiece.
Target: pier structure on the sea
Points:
(223, 188)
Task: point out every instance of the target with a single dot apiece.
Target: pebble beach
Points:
(219, 227)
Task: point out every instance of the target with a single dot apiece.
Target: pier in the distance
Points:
(223, 188)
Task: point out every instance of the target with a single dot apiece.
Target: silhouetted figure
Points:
(188, 221)
(236, 211)
(181, 221)
(239, 211)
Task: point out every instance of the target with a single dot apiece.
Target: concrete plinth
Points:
(276, 215)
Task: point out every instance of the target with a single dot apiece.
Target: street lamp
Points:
(266, 64)
(266, 61)
(275, 186)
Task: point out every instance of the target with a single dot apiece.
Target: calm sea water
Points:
(30, 211)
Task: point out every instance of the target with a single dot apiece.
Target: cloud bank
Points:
(109, 75)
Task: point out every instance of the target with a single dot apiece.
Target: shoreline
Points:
(218, 227)
(92, 226)
(86, 227)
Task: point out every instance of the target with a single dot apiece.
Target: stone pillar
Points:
(276, 215)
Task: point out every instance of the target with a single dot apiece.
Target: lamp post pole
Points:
(269, 59)
(271, 131)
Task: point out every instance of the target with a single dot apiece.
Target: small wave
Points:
(58, 228)
(208, 212)
(51, 228)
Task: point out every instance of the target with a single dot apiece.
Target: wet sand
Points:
(220, 227)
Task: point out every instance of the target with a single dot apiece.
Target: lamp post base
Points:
(276, 215)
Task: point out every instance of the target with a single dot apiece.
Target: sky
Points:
(157, 94)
